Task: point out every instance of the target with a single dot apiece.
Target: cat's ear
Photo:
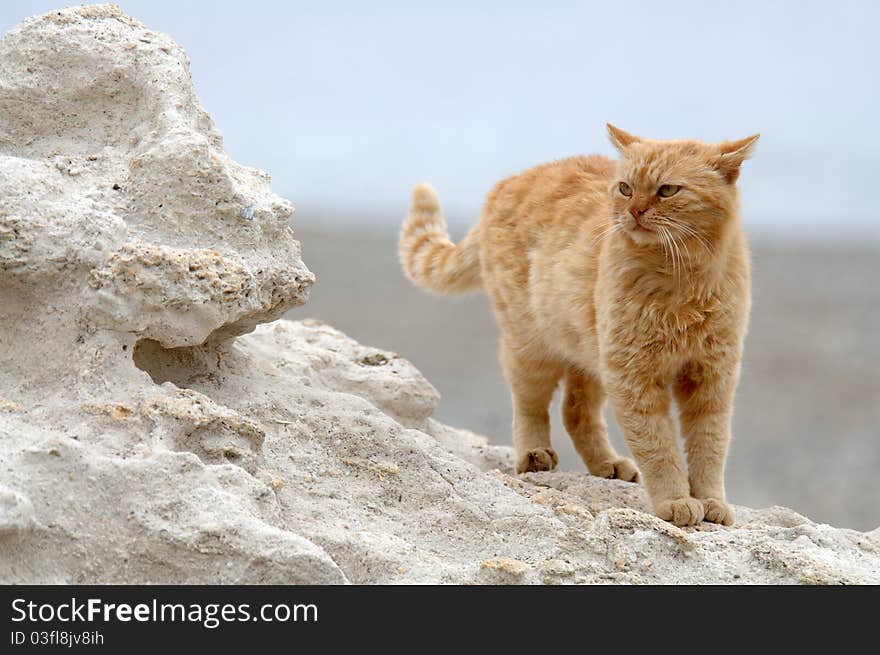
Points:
(620, 139)
(729, 156)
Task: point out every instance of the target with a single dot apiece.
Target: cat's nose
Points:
(637, 211)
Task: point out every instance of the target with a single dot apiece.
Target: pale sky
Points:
(348, 104)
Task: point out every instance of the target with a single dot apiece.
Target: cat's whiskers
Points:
(598, 238)
(673, 251)
(687, 253)
(689, 232)
(692, 233)
(678, 255)
(664, 236)
(606, 233)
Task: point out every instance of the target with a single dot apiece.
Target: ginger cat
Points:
(629, 278)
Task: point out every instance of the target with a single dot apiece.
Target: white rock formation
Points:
(140, 441)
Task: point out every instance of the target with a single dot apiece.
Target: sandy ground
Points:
(807, 423)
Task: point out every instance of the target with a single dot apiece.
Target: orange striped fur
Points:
(428, 257)
(626, 279)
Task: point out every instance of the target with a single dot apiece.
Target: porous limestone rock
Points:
(149, 433)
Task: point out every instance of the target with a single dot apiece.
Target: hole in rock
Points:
(183, 366)
(376, 359)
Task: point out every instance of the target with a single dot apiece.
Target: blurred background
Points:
(348, 105)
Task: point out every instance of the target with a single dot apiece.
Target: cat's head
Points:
(675, 190)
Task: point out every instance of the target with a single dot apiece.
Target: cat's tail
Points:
(429, 259)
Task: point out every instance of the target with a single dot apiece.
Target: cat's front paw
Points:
(537, 459)
(681, 511)
(620, 469)
(717, 511)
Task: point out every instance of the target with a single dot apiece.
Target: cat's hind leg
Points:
(582, 416)
(532, 380)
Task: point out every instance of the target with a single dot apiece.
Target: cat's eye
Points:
(668, 190)
(625, 189)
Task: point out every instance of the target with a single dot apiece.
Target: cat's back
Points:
(549, 192)
(544, 208)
